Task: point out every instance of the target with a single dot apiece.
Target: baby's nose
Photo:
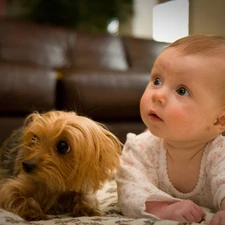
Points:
(160, 97)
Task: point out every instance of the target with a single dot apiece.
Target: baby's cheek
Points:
(144, 104)
(177, 115)
(184, 121)
(180, 118)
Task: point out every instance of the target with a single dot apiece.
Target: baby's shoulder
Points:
(145, 141)
(218, 144)
(215, 150)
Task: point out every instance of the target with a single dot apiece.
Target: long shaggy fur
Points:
(54, 164)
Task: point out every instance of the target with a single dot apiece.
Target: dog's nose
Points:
(28, 166)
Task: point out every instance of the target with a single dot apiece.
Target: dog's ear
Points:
(109, 150)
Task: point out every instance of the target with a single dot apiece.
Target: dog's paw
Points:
(32, 211)
(31, 215)
(85, 211)
(85, 205)
(26, 208)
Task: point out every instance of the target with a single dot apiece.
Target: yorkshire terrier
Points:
(55, 164)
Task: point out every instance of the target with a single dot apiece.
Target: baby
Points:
(178, 165)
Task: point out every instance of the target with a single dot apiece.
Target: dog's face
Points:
(68, 152)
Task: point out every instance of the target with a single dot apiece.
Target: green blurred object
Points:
(92, 15)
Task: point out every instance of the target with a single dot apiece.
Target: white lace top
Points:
(143, 175)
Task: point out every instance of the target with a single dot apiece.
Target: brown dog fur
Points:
(55, 164)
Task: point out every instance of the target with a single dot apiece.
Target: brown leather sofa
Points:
(98, 75)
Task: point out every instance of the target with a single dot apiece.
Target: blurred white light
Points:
(170, 20)
(113, 26)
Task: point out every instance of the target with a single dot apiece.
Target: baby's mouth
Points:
(154, 116)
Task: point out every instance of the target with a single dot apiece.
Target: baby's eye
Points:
(182, 91)
(157, 81)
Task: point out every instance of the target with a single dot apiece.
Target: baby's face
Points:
(180, 101)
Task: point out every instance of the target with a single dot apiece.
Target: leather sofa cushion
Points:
(34, 44)
(26, 88)
(104, 94)
(121, 128)
(8, 124)
(142, 53)
(47, 46)
(98, 51)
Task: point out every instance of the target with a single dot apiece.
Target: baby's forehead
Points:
(173, 60)
(172, 57)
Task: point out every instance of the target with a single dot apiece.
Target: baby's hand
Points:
(184, 211)
(218, 218)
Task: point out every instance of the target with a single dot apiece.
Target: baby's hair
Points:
(211, 45)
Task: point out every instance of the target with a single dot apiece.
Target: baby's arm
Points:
(216, 174)
(182, 211)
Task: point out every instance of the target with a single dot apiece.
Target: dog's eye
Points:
(63, 147)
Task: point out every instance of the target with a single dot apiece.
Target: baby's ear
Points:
(220, 122)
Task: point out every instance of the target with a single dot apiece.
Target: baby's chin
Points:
(156, 132)
(166, 135)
